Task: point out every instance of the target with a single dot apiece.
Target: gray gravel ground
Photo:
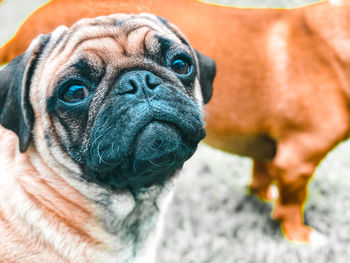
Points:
(212, 220)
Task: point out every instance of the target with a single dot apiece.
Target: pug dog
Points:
(96, 121)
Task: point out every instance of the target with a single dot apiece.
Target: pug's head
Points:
(116, 99)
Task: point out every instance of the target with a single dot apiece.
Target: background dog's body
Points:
(96, 119)
(283, 79)
(288, 105)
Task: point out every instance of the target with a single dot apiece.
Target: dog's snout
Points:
(137, 82)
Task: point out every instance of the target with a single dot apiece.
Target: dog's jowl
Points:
(96, 120)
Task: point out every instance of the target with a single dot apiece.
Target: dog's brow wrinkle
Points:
(144, 45)
(104, 33)
(132, 29)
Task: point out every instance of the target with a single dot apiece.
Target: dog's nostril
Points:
(127, 86)
(132, 86)
(152, 81)
(158, 143)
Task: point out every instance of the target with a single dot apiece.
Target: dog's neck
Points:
(53, 213)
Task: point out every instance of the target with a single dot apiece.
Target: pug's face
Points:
(118, 99)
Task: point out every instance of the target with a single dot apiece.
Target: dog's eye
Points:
(180, 66)
(74, 93)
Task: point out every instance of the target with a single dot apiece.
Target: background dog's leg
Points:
(261, 181)
(289, 206)
(295, 162)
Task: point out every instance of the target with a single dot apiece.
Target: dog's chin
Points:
(159, 150)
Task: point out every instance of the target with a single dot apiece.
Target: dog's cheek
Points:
(68, 125)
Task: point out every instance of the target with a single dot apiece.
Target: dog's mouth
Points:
(156, 144)
(158, 151)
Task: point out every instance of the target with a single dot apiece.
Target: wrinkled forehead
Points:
(119, 35)
(106, 44)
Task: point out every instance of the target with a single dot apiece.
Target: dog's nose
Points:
(138, 82)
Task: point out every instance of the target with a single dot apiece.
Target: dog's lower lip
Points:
(156, 140)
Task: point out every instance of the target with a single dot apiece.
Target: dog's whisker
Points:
(155, 164)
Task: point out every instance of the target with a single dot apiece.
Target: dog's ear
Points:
(207, 72)
(16, 112)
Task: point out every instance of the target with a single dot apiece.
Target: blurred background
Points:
(211, 218)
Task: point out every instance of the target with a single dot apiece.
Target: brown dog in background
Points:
(282, 92)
